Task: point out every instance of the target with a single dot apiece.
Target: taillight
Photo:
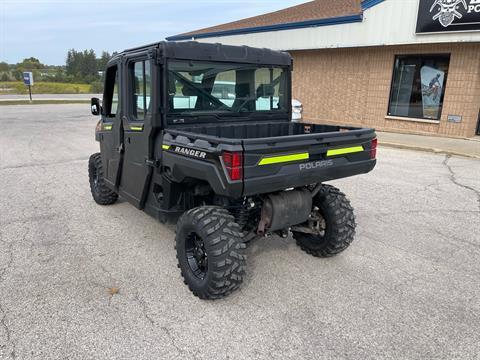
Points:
(233, 162)
(373, 149)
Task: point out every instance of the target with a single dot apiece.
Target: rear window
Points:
(230, 88)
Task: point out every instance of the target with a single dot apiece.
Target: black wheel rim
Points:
(196, 255)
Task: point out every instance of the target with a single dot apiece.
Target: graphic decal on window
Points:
(432, 84)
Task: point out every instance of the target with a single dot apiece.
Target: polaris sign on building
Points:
(448, 15)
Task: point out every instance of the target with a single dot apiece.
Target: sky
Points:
(46, 29)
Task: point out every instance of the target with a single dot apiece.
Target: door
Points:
(137, 127)
(112, 135)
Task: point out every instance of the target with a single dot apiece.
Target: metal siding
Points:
(391, 22)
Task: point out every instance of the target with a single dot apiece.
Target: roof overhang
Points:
(277, 27)
(365, 4)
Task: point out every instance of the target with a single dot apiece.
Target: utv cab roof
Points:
(193, 50)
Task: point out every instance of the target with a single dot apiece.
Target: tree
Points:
(4, 66)
(30, 64)
(82, 65)
(102, 62)
(88, 67)
(73, 62)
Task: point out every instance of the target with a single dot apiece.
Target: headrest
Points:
(265, 90)
(189, 91)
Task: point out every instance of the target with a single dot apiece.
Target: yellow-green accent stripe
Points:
(349, 150)
(107, 127)
(165, 147)
(136, 128)
(283, 158)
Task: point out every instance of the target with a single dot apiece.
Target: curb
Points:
(42, 102)
(427, 149)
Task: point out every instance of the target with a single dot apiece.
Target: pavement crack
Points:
(143, 307)
(8, 332)
(113, 290)
(453, 179)
(174, 343)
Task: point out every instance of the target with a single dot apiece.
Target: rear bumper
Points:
(274, 178)
(296, 175)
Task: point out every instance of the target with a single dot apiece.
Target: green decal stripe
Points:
(136, 128)
(165, 147)
(107, 127)
(283, 158)
(342, 151)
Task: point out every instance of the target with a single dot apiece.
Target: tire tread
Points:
(227, 258)
(102, 195)
(341, 215)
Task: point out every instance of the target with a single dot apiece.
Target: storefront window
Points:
(418, 86)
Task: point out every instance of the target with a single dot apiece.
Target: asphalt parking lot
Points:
(81, 281)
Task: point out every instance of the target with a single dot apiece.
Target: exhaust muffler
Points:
(282, 210)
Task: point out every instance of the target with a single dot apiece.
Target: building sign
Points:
(454, 118)
(448, 15)
(28, 78)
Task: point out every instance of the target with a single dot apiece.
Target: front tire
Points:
(100, 192)
(210, 252)
(331, 226)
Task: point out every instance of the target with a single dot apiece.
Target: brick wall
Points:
(352, 86)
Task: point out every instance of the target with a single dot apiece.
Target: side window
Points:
(142, 80)
(111, 92)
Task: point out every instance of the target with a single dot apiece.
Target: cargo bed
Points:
(260, 130)
(275, 155)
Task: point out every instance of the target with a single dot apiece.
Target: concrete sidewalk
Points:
(461, 147)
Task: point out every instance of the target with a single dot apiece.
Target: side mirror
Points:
(95, 106)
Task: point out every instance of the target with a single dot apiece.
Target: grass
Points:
(17, 87)
(42, 102)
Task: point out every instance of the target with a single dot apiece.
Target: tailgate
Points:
(274, 164)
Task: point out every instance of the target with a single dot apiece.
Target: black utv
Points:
(201, 134)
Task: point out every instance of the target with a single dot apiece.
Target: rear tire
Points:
(210, 252)
(337, 229)
(100, 192)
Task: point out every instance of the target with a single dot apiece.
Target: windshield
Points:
(196, 87)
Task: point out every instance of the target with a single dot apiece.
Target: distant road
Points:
(9, 97)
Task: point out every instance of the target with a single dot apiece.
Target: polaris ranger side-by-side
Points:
(227, 164)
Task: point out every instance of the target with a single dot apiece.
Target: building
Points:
(407, 66)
